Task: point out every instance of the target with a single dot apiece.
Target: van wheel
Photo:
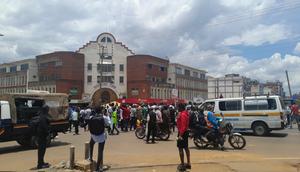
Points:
(260, 129)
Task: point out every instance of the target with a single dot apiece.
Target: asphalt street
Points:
(277, 152)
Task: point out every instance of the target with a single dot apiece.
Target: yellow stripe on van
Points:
(262, 114)
(229, 115)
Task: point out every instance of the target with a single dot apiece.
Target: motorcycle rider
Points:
(213, 120)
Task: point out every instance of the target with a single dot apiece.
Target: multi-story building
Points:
(190, 83)
(231, 85)
(60, 72)
(147, 77)
(273, 88)
(106, 67)
(15, 76)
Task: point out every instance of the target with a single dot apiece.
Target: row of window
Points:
(161, 93)
(161, 68)
(105, 67)
(257, 104)
(109, 79)
(12, 90)
(51, 89)
(186, 83)
(187, 72)
(12, 81)
(14, 68)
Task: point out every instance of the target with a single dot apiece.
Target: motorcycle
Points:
(213, 138)
(140, 132)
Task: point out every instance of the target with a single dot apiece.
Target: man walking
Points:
(295, 115)
(182, 141)
(42, 134)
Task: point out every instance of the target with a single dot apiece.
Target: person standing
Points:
(75, 120)
(114, 120)
(42, 134)
(151, 119)
(182, 141)
(295, 115)
(96, 124)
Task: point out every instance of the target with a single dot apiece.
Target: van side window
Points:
(260, 104)
(230, 105)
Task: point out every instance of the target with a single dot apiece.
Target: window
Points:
(103, 39)
(135, 91)
(108, 39)
(205, 105)
(3, 70)
(260, 104)
(121, 68)
(89, 78)
(230, 105)
(109, 79)
(58, 63)
(195, 74)
(162, 69)
(187, 72)
(24, 66)
(89, 67)
(149, 66)
(13, 69)
(121, 79)
(106, 67)
(178, 71)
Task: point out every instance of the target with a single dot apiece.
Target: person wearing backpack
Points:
(42, 132)
(96, 124)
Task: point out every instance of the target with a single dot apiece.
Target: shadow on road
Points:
(269, 135)
(19, 148)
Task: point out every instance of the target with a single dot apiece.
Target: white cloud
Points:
(297, 48)
(259, 35)
(217, 64)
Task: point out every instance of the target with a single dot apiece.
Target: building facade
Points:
(105, 69)
(15, 76)
(190, 83)
(229, 86)
(60, 72)
(147, 77)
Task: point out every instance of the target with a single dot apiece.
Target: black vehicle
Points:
(140, 132)
(236, 140)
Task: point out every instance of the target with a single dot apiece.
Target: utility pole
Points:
(287, 77)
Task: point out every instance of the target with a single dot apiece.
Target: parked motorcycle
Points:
(211, 138)
(140, 132)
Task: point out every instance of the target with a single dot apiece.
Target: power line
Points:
(265, 11)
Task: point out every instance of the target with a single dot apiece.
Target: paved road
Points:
(277, 152)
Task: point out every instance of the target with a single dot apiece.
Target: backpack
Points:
(96, 125)
(33, 125)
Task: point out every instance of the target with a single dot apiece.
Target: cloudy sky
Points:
(259, 39)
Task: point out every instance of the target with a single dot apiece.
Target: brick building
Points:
(60, 72)
(147, 77)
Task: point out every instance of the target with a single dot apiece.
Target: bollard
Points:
(72, 157)
(86, 150)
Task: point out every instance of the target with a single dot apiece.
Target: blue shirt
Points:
(212, 119)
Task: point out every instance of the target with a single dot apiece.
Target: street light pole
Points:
(101, 55)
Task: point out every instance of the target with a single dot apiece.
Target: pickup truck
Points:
(17, 110)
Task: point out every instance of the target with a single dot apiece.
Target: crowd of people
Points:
(113, 118)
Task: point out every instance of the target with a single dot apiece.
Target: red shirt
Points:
(183, 122)
(126, 113)
(295, 109)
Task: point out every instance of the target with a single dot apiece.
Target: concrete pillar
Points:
(72, 157)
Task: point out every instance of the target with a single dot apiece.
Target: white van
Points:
(261, 114)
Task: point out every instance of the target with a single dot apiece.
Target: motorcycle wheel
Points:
(237, 141)
(140, 132)
(201, 144)
(164, 135)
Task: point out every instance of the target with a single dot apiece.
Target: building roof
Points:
(188, 67)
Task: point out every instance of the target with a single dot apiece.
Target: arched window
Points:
(103, 39)
(108, 39)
